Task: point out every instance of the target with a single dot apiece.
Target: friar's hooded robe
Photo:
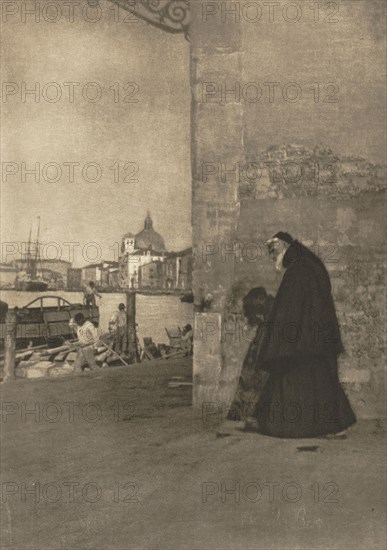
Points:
(303, 396)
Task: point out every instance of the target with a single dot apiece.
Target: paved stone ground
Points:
(139, 469)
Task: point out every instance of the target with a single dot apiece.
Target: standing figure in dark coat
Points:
(256, 307)
(303, 396)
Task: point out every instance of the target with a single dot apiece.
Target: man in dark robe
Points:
(303, 396)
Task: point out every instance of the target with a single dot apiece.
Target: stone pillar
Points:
(217, 143)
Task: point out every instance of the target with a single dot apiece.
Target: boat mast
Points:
(28, 253)
(36, 259)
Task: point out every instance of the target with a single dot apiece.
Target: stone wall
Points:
(326, 188)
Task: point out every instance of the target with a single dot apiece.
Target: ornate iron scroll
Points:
(169, 15)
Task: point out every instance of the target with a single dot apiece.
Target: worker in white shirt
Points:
(88, 338)
(118, 325)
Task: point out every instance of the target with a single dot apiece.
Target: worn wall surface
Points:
(325, 188)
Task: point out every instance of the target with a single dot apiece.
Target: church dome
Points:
(148, 238)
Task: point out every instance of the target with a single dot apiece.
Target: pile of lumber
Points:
(42, 361)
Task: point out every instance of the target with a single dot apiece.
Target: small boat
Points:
(45, 320)
(31, 285)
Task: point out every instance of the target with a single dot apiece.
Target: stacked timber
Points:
(43, 362)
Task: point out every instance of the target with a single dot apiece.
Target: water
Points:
(154, 313)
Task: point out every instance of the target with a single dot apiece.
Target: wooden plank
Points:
(56, 316)
(62, 356)
(178, 353)
(103, 356)
(50, 351)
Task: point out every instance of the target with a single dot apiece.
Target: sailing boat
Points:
(31, 281)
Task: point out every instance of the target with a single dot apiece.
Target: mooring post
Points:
(132, 334)
(10, 345)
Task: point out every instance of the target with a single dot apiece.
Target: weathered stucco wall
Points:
(247, 186)
(348, 235)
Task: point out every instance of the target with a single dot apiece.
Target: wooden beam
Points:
(10, 345)
(132, 335)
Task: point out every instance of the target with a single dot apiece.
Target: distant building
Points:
(99, 273)
(177, 270)
(138, 250)
(109, 275)
(8, 275)
(55, 271)
(113, 277)
(91, 272)
(74, 278)
(151, 275)
(53, 278)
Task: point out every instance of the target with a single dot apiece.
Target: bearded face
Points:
(277, 249)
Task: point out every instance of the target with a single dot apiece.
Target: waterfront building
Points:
(8, 275)
(138, 250)
(92, 272)
(151, 275)
(113, 277)
(74, 278)
(100, 273)
(55, 272)
(177, 270)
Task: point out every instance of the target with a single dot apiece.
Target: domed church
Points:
(137, 250)
(148, 238)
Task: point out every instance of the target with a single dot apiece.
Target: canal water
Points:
(154, 313)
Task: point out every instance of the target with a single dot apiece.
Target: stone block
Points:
(36, 370)
(25, 364)
(207, 363)
(62, 370)
(37, 356)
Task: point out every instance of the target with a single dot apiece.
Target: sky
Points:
(121, 144)
(109, 129)
(339, 68)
